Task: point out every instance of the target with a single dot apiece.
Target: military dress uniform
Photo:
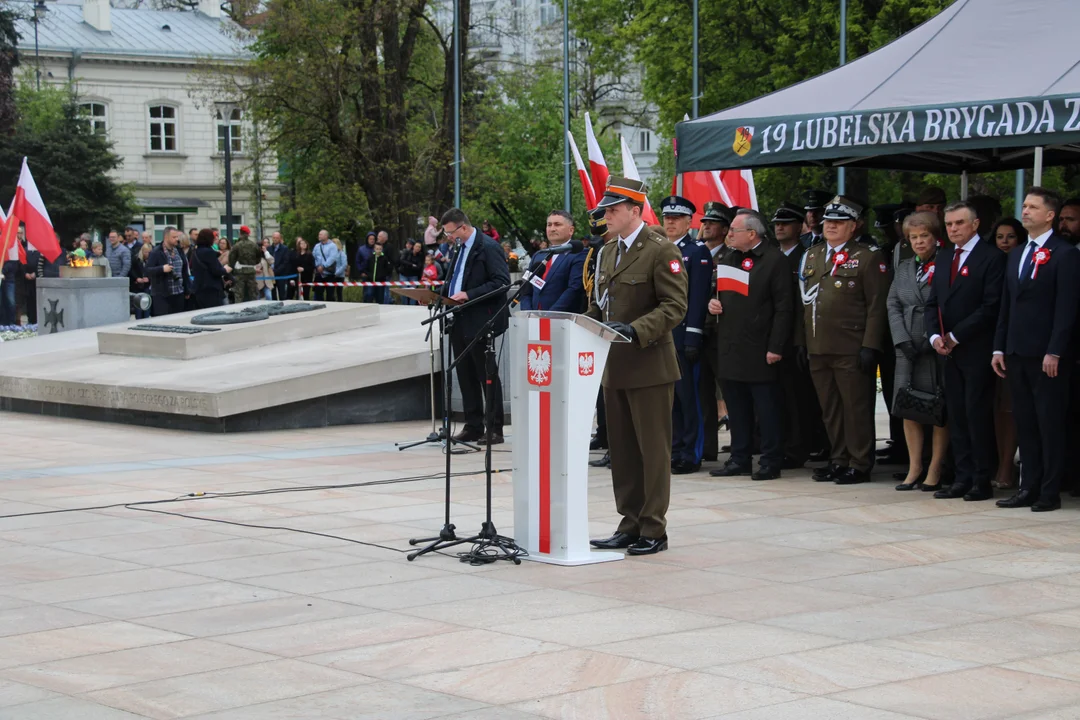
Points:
(640, 290)
(244, 257)
(598, 229)
(815, 200)
(708, 387)
(844, 292)
(688, 435)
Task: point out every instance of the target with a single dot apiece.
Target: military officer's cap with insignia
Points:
(718, 212)
(597, 222)
(620, 190)
(901, 214)
(816, 199)
(788, 212)
(676, 205)
(842, 208)
(884, 214)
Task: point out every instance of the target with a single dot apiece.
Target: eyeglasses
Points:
(739, 230)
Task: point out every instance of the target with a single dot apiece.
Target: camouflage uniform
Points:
(244, 259)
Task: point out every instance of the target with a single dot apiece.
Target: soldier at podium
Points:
(640, 291)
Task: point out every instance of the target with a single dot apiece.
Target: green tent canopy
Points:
(975, 89)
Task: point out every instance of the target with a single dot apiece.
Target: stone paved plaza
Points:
(780, 600)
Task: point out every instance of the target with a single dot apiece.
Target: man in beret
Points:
(687, 443)
(640, 293)
(845, 284)
(244, 257)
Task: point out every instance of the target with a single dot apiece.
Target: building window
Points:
(645, 141)
(163, 221)
(550, 13)
(236, 134)
(97, 116)
(237, 221)
(163, 128)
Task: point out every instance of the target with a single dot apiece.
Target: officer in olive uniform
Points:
(640, 292)
(687, 442)
(813, 207)
(844, 285)
(714, 230)
(244, 257)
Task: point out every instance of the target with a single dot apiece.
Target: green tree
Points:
(9, 60)
(71, 164)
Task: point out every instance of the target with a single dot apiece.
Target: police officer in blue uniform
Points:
(688, 435)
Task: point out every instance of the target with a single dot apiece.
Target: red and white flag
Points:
(29, 208)
(630, 171)
(733, 279)
(737, 188)
(597, 165)
(586, 183)
(10, 247)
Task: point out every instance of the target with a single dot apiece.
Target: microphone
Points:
(570, 246)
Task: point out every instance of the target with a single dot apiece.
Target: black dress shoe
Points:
(976, 494)
(618, 541)
(956, 490)
(684, 468)
(820, 455)
(766, 473)
(598, 443)
(496, 439)
(791, 463)
(827, 473)
(731, 469)
(723, 423)
(469, 436)
(1023, 498)
(602, 462)
(647, 546)
(1044, 506)
(725, 448)
(930, 488)
(709, 457)
(893, 458)
(851, 476)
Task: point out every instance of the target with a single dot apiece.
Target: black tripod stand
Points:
(442, 434)
(488, 544)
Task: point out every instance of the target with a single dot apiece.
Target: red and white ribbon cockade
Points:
(839, 259)
(1042, 256)
(748, 264)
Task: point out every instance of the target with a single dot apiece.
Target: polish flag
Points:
(737, 188)
(733, 279)
(30, 209)
(10, 247)
(630, 171)
(586, 183)
(597, 164)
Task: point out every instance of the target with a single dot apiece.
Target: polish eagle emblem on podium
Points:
(539, 364)
(585, 363)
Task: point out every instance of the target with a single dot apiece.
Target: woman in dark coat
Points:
(209, 288)
(305, 266)
(917, 364)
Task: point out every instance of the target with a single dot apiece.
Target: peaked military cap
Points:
(788, 212)
(620, 190)
(718, 212)
(842, 208)
(900, 215)
(676, 205)
(597, 222)
(884, 214)
(816, 199)
(931, 195)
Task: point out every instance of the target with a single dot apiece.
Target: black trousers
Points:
(687, 436)
(1072, 472)
(1040, 408)
(707, 396)
(30, 298)
(745, 402)
(283, 290)
(804, 430)
(472, 379)
(601, 418)
(888, 380)
(969, 403)
(167, 304)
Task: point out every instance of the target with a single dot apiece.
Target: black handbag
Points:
(925, 408)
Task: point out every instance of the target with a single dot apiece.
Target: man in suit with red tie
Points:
(558, 280)
(1034, 348)
(961, 316)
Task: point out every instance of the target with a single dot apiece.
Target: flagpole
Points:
(566, 104)
(694, 97)
(457, 104)
(841, 175)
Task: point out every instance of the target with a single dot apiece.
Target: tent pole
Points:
(1036, 177)
(694, 98)
(841, 175)
(1018, 194)
(964, 185)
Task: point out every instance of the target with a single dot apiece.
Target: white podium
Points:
(556, 362)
